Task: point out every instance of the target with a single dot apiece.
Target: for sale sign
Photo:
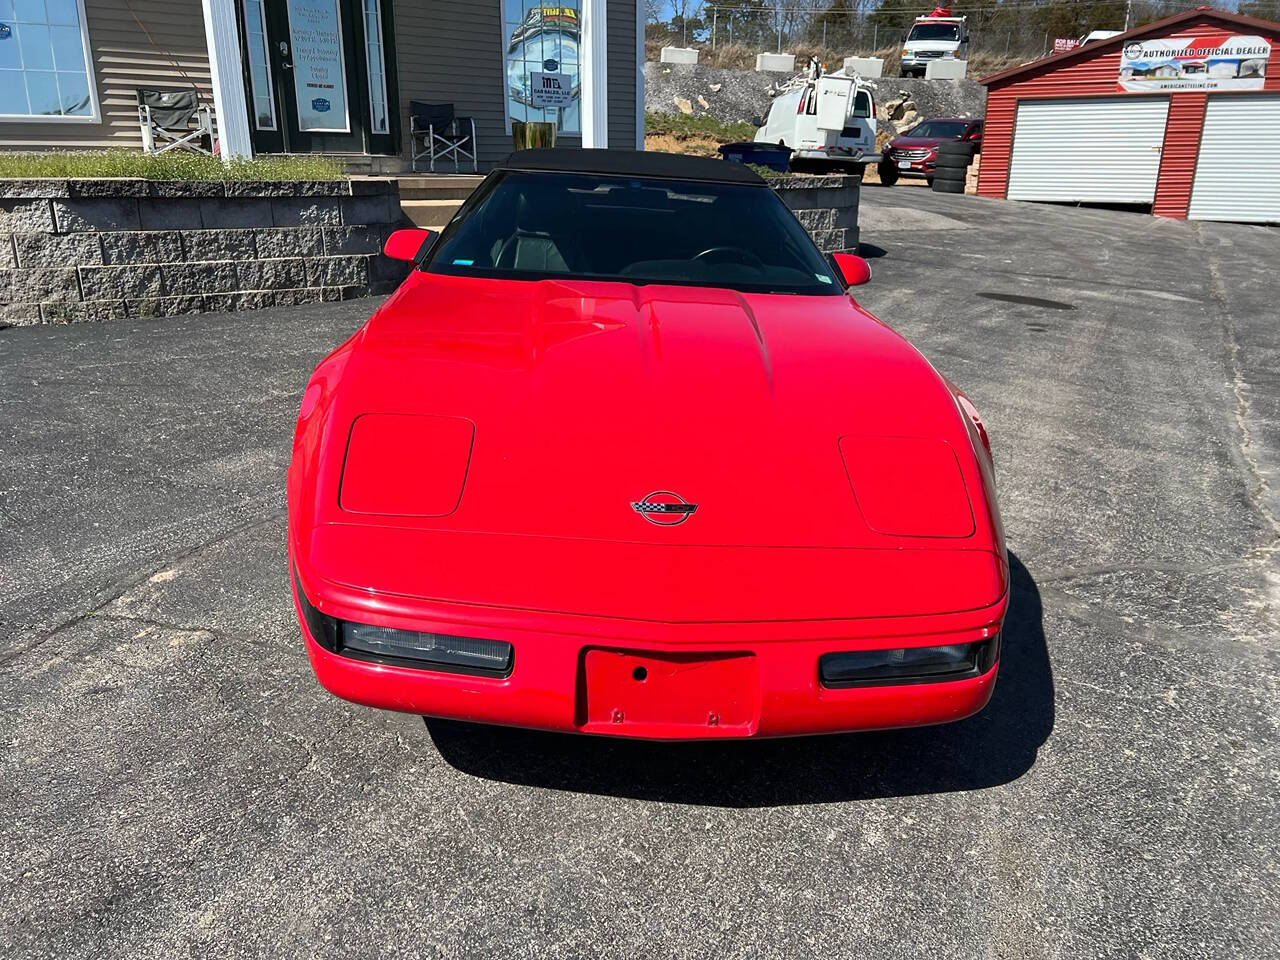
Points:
(1209, 61)
(1063, 44)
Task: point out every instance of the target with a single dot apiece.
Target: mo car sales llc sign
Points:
(551, 89)
(1214, 61)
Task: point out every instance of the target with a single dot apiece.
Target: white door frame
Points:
(593, 53)
(226, 72)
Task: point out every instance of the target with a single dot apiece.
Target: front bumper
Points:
(923, 167)
(700, 681)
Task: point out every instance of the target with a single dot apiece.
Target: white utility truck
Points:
(934, 37)
(827, 120)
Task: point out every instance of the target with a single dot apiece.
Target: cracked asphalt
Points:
(176, 783)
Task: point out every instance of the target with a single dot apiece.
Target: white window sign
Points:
(319, 67)
(551, 89)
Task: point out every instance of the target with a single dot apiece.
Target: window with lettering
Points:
(543, 82)
(319, 67)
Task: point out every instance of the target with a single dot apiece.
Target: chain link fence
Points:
(1013, 29)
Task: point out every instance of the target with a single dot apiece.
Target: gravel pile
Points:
(933, 98)
(739, 96)
(733, 96)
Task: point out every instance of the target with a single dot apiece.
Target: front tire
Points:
(888, 173)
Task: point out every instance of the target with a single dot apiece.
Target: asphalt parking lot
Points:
(177, 784)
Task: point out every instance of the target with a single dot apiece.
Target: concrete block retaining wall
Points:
(827, 207)
(92, 250)
(104, 249)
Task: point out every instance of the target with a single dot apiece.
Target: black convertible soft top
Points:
(632, 163)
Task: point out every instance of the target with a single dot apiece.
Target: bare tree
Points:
(685, 12)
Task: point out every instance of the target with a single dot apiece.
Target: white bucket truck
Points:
(826, 120)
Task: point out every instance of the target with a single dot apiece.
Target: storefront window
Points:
(543, 82)
(44, 64)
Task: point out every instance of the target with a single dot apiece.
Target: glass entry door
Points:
(320, 76)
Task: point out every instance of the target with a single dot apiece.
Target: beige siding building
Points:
(320, 76)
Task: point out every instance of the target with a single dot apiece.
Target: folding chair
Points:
(166, 116)
(436, 133)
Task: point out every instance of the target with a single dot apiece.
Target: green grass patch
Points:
(174, 165)
(705, 126)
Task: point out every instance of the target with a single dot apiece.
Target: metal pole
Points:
(715, 13)
(778, 12)
(875, 38)
(1008, 39)
(1045, 51)
(824, 34)
(1128, 12)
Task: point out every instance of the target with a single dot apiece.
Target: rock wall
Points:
(739, 96)
(74, 250)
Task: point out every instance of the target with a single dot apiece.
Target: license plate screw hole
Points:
(640, 674)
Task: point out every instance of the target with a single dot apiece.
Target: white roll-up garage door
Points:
(1238, 170)
(1104, 150)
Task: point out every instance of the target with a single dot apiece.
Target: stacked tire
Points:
(951, 168)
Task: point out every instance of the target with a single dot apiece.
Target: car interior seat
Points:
(544, 235)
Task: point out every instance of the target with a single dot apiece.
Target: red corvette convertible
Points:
(623, 456)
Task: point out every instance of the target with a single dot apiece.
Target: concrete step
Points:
(430, 214)
(437, 188)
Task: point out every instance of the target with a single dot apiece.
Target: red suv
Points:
(912, 154)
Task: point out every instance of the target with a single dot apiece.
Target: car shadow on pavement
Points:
(995, 747)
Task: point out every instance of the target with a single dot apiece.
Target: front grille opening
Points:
(908, 665)
(406, 648)
(433, 651)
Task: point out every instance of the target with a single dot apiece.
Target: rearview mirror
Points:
(407, 244)
(757, 121)
(853, 270)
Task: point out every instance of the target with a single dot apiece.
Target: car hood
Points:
(915, 143)
(585, 397)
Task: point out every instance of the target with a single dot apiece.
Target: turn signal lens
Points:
(436, 649)
(955, 661)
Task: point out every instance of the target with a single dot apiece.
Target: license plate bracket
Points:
(669, 695)
(904, 164)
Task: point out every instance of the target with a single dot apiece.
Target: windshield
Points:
(945, 129)
(934, 31)
(535, 226)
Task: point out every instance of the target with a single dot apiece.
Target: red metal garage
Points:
(1182, 113)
